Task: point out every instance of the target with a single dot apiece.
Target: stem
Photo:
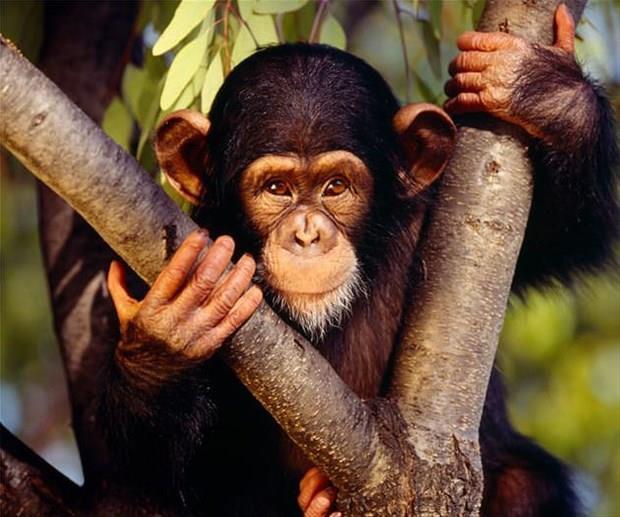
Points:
(226, 44)
(315, 32)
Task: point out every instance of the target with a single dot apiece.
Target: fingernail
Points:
(226, 242)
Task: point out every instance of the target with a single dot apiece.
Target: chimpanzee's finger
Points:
(229, 290)
(322, 502)
(236, 317)
(464, 82)
(487, 41)
(464, 103)
(471, 61)
(172, 278)
(207, 275)
(564, 29)
(126, 306)
(313, 482)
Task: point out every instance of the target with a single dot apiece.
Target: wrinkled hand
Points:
(190, 309)
(316, 495)
(485, 73)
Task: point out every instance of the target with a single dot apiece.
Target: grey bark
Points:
(68, 152)
(413, 454)
(84, 51)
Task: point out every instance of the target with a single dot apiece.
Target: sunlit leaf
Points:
(261, 27)
(332, 33)
(264, 29)
(244, 46)
(118, 123)
(212, 82)
(278, 6)
(431, 44)
(183, 68)
(188, 15)
(185, 99)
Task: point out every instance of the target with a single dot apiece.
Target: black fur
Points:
(306, 99)
(575, 216)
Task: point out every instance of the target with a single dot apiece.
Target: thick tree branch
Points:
(68, 152)
(414, 455)
(30, 486)
(85, 49)
(467, 263)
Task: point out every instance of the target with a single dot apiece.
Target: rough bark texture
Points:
(68, 152)
(467, 265)
(415, 454)
(84, 51)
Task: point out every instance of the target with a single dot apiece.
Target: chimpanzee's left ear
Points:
(427, 135)
(181, 149)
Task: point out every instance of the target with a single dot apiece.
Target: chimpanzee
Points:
(308, 161)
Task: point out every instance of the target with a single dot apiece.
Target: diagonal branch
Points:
(68, 152)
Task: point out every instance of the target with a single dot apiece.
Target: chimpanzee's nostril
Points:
(299, 241)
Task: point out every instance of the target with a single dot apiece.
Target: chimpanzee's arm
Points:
(156, 408)
(575, 213)
(574, 218)
(157, 403)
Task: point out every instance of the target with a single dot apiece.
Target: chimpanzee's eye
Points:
(335, 187)
(277, 188)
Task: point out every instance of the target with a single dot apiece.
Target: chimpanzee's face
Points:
(306, 156)
(308, 214)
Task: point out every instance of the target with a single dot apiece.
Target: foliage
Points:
(560, 350)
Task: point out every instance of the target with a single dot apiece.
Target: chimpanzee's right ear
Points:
(181, 149)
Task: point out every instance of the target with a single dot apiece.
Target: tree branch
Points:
(29, 485)
(68, 152)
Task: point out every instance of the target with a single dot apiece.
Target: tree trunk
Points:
(415, 453)
(85, 49)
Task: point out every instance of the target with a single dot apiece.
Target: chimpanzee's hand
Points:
(316, 495)
(486, 73)
(189, 311)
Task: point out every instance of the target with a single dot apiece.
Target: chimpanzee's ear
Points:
(181, 147)
(427, 135)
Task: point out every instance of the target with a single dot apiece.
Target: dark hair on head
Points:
(305, 99)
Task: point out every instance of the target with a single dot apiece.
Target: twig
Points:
(315, 32)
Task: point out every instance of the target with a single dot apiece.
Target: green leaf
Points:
(213, 80)
(278, 6)
(332, 33)
(133, 83)
(476, 11)
(431, 44)
(244, 46)
(434, 9)
(186, 98)
(22, 23)
(118, 123)
(183, 68)
(264, 30)
(150, 119)
(262, 27)
(188, 15)
(425, 90)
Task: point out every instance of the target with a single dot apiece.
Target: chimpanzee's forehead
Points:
(302, 99)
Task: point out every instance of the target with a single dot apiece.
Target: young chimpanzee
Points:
(310, 164)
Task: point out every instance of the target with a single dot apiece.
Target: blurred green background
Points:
(560, 349)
